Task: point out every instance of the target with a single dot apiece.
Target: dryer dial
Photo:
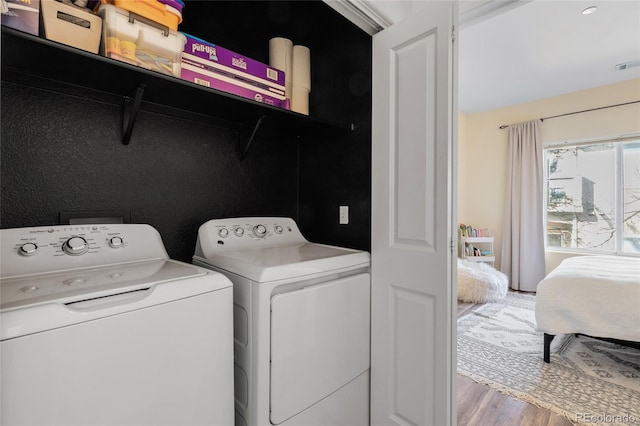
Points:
(116, 242)
(259, 231)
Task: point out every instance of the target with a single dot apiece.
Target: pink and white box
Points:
(213, 66)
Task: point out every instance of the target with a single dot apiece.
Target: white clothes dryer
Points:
(100, 327)
(301, 322)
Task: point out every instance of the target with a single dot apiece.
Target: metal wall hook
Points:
(256, 128)
(130, 112)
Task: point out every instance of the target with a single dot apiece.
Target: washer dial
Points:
(28, 249)
(239, 231)
(75, 246)
(278, 229)
(224, 232)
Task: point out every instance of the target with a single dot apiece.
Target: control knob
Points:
(259, 231)
(224, 232)
(28, 249)
(278, 229)
(75, 246)
(115, 242)
(239, 231)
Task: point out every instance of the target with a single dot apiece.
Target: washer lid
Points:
(41, 302)
(286, 261)
(81, 284)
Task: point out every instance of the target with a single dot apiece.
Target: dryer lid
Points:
(319, 343)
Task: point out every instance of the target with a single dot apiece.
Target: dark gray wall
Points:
(334, 169)
(61, 152)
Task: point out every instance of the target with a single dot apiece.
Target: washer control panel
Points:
(62, 247)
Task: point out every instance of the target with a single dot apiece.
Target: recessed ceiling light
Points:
(589, 10)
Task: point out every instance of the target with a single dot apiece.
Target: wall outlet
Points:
(344, 215)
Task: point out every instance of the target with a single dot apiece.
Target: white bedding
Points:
(594, 295)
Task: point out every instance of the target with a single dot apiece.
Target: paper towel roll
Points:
(280, 57)
(301, 67)
(300, 100)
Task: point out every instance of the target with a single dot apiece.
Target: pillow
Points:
(479, 282)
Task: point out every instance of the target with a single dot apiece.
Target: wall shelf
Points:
(481, 243)
(26, 58)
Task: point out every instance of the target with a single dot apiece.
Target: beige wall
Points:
(482, 146)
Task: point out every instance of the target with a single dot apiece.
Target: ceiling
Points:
(516, 51)
(546, 48)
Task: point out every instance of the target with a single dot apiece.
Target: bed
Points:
(598, 296)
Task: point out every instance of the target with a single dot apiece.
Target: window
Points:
(593, 196)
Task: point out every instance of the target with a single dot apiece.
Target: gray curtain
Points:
(523, 232)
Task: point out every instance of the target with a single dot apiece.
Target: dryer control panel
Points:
(248, 232)
(265, 249)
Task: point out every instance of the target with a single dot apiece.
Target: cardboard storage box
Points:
(71, 25)
(214, 66)
(140, 42)
(23, 15)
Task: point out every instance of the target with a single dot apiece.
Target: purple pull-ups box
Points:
(213, 66)
(22, 15)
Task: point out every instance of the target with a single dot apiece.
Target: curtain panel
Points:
(523, 230)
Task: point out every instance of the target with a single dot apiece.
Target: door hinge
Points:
(453, 33)
(452, 246)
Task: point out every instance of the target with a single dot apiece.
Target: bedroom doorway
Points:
(483, 149)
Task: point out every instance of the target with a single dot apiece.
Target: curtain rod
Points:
(504, 126)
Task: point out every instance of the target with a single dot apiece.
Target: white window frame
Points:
(617, 192)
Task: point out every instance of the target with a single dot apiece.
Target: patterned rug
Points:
(588, 381)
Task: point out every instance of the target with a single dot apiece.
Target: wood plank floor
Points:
(479, 405)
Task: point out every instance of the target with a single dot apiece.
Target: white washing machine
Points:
(301, 322)
(100, 327)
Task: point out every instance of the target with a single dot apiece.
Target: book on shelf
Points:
(469, 231)
(470, 251)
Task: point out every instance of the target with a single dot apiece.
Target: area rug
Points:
(588, 381)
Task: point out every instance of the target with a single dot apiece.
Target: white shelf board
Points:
(480, 258)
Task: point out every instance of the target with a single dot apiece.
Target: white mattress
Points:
(594, 295)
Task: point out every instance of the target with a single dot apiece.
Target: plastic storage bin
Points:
(71, 25)
(131, 38)
(160, 12)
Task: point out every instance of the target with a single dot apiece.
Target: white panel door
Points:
(413, 320)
